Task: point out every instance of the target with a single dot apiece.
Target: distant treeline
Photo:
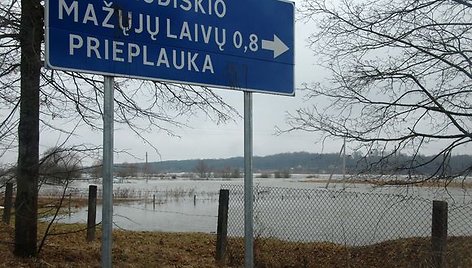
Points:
(303, 162)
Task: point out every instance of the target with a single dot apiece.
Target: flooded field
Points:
(282, 208)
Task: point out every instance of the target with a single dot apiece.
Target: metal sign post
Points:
(191, 42)
(107, 173)
(248, 184)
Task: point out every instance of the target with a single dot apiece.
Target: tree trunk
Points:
(26, 204)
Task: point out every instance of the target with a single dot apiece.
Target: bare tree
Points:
(127, 170)
(202, 169)
(33, 98)
(96, 170)
(26, 203)
(60, 165)
(399, 79)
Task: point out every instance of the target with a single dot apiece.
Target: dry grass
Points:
(411, 252)
(130, 249)
(154, 249)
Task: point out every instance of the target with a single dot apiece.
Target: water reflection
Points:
(180, 215)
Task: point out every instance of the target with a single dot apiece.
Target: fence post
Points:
(8, 203)
(222, 228)
(439, 232)
(92, 212)
(70, 201)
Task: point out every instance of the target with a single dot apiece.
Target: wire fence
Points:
(351, 219)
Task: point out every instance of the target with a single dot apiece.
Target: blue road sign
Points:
(236, 44)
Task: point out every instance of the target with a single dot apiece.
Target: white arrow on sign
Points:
(277, 46)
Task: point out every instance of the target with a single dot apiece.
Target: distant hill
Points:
(300, 161)
(303, 162)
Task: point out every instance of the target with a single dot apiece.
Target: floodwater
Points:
(184, 205)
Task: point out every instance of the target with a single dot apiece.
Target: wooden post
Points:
(194, 200)
(8, 203)
(439, 233)
(92, 213)
(70, 200)
(153, 201)
(222, 228)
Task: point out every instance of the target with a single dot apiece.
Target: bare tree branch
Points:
(400, 80)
